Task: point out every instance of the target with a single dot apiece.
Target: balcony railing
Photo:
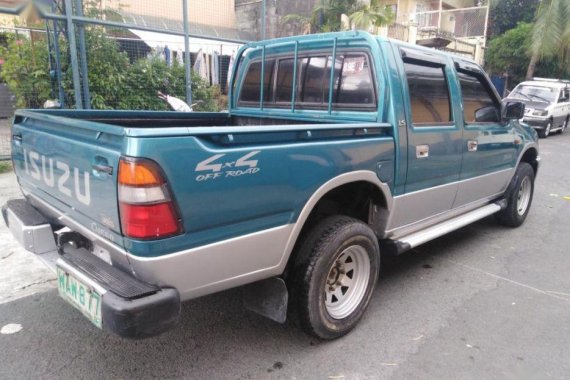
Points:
(461, 23)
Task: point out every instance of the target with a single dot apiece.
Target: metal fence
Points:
(398, 32)
(448, 42)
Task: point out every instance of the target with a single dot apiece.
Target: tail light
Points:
(146, 207)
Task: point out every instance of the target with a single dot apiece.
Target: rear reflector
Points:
(146, 208)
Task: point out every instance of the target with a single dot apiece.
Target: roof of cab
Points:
(353, 35)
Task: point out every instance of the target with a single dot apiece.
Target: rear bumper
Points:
(129, 307)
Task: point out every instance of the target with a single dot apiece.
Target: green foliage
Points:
(25, 71)
(374, 14)
(508, 13)
(114, 83)
(5, 167)
(551, 34)
(325, 16)
(508, 54)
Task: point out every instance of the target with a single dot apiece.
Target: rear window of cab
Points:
(353, 84)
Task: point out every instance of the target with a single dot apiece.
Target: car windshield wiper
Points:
(523, 94)
(541, 98)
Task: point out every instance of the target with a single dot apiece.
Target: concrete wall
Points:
(209, 12)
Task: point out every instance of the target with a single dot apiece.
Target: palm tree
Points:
(551, 35)
(325, 16)
(372, 15)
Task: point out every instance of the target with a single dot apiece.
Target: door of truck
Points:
(489, 150)
(434, 137)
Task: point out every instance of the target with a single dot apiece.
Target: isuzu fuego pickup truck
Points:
(336, 148)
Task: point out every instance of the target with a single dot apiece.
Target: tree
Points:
(114, 82)
(508, 54)
(508, 13)
(325, 16)
(551, 36)
(372, 15)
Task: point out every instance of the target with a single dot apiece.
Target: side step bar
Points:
(417, 238)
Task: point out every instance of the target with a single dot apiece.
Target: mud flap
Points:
(268, 298)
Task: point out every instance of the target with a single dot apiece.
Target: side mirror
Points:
(513, 110)
(487, 114)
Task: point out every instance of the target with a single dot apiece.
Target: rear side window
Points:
(479, 105)
(429, 94)
(353, 86)
(251, 84)
(313, 72)
(284, 89)
(355, 83)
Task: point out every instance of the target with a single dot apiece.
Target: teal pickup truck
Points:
(337, 148)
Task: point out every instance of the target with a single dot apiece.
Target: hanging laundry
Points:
(167, 56)
(200, 66)
(208, 60)
(230, 69)
(180, 56)
(215, 69)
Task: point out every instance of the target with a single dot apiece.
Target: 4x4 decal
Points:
(226, 169)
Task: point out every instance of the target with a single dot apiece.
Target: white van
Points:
(547, 104)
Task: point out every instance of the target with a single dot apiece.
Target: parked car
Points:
(547, 104)
(294, 192)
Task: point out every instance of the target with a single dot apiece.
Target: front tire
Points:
(334, 275)
(519, 197)
(544, 133)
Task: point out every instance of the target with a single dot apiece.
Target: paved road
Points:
(485, 302)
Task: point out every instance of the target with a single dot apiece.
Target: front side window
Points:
(429, 94)
(479, 106)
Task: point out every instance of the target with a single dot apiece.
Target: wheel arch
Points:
(372, 191)
(530, 156)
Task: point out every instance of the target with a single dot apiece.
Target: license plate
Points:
(81, 296)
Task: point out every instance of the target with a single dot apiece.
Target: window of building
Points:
(429, 94)
(479, 105)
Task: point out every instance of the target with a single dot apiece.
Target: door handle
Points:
(422, 151)
(472, 145)
(101, 165)
(103, 168)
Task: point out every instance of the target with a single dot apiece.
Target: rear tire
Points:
(519, 197)
(333, 277)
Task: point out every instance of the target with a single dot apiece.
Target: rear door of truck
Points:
(70, 165)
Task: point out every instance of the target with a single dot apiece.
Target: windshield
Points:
(535, 93)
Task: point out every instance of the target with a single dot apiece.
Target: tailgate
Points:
(72, 165)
